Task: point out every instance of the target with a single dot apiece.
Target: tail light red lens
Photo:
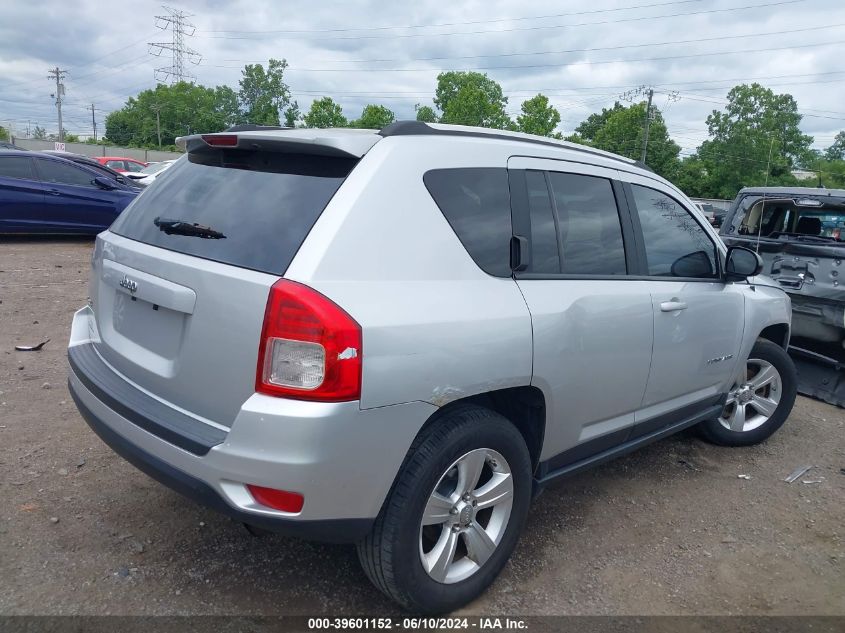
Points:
(277, 499)
(310, 348)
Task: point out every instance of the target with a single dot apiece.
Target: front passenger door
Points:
(698, 319)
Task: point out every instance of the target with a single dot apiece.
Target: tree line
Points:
(755, 133)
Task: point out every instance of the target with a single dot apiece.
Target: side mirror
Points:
(104, 183)
(695, 264)
(742, 263)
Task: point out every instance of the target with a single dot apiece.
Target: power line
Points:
(564, 51)
(441, 24)
(177, 22)
(557, 64)
(322, 34)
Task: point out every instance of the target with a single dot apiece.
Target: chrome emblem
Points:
(129, 284)
(719, 359)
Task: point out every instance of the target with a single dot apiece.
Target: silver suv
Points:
(397, 338)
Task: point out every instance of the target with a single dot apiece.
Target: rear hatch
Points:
(801, 239)
(181, 280)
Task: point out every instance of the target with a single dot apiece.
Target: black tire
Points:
(713, 431)
(390, 555)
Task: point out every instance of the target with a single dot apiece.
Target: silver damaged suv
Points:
(397, 338)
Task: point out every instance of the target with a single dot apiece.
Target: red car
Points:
(121, 164)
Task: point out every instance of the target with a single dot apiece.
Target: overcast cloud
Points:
(356, 53)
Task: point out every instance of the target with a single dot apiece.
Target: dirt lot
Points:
(671, 529)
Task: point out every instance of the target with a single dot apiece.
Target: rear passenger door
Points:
(592, 323)
(698, 319)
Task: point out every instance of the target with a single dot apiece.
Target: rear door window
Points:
(62, 173)
(545, 257)
(258, 206)
(16, 167)
(588, 220)
(476, 203)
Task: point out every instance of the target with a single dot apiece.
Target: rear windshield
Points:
(253, 209)
(791, 218)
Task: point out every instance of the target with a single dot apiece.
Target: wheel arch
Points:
(524, 407)
(777, 333)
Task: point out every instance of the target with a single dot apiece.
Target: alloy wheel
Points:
(466, 516)
(754, 398)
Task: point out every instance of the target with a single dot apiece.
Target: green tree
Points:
(836, 151)
(587, 129)
(538, 117)
(292, 114)
(182, 108)
(425, 113)
(621, 130)
(4, 134)
(832, 173)
(70, 138)
(263, 93)
(39, 133)
(692, 178)
(374, 117)
(325, 113)
(755, 124)
(471, 98)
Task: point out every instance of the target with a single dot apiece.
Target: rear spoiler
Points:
(342, 143)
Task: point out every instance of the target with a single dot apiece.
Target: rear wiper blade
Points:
(180, 227)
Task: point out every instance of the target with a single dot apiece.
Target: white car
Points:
(153, 170)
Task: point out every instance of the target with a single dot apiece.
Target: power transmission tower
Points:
(94, 122)
(58, 74)
(180, 28)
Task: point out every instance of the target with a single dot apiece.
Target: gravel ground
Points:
(671, 529)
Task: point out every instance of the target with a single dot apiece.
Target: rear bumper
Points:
(331, 530)
(341, 458)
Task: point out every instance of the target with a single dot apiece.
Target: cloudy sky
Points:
(581, 54)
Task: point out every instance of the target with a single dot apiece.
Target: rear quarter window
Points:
(476, 203)
(16, 167)
(263, 204)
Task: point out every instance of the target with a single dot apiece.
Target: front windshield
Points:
(785, 218)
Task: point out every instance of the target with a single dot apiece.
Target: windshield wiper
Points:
(180, 227)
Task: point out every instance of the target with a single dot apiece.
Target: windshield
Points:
(791, 218)
(241, 207)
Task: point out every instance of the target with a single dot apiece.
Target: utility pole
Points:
(157, 109)
(94, 122)
(650, 94)
(177, 22)
(58, 74)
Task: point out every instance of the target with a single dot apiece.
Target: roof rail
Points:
(252, 127)
(420, 128)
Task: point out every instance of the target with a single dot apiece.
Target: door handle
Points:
(672, 306)
(54, 192)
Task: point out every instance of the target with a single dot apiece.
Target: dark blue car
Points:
(40, 193)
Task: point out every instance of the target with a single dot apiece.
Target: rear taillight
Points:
(310, 348)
